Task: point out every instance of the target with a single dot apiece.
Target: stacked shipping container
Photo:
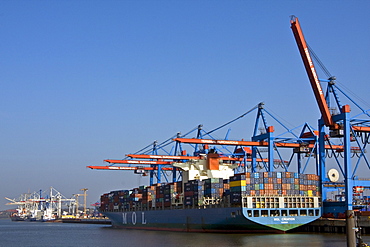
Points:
(274, 183)
(196, 192)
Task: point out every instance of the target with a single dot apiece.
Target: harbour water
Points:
(76, 235)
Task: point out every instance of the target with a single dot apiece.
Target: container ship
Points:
(211, 198)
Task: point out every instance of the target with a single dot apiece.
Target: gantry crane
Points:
(77, 203)
(248, 155)
(340, 125)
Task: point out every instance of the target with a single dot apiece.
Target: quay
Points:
(90, 220)
(335, 225)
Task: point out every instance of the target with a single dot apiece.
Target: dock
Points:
(92, 220)
(334, 225)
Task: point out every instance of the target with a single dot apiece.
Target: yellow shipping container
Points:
(238, 183)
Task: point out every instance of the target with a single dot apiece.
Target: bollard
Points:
(351, 229)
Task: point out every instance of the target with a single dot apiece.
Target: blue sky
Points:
(84, 81)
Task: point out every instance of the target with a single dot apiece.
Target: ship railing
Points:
(212, 200)
(291, 201)
(177, 201)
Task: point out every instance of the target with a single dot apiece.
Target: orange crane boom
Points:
(175, 157)
(142, 162)
(361, 128)
(162, 157)
(311, 72)
(128, 168)
(247, 143)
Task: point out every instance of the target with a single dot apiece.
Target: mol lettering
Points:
(143, 220)
(124, 218)
(133, 218)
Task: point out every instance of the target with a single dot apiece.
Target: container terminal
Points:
(53, 206)
(282, 179)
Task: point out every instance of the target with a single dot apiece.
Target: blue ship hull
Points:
(223, 219)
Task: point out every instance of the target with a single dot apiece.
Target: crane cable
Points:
(241, 116)
(329, 75)
(322, 66)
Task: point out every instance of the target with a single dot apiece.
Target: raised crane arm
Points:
(143, 162)
(248, 143)
(311, 72)
(115, 168)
